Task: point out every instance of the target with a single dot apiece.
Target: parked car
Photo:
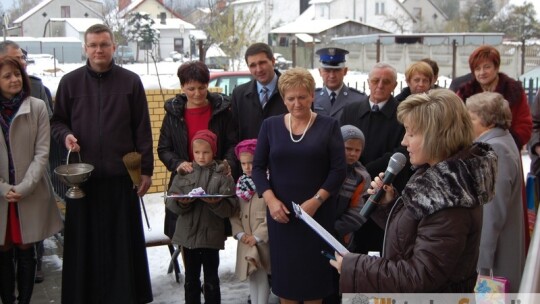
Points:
(44, 59)
(124, 54)
(217, 63)
(227, 81)
(281, 62)
(176, 56)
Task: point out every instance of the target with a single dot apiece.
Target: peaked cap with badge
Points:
(332, 58)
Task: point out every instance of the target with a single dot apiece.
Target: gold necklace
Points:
(305, 130)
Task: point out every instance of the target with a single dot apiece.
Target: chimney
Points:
(123, 4)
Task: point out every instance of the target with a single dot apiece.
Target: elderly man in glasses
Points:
(377, 119)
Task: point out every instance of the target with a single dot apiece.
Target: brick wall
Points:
(156, 101)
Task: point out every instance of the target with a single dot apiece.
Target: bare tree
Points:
(20, 7)
(112, 18)
(399, 22)
(231, 31)
(518, 22)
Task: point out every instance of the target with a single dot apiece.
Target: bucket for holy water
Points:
(73, 175)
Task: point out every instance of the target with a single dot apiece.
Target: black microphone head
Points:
(396, 163)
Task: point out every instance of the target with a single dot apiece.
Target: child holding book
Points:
(199, 227)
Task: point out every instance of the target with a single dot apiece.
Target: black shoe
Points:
(40, 276)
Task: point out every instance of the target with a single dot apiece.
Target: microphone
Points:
(396, 163)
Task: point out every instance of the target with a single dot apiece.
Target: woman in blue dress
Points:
(299, 158)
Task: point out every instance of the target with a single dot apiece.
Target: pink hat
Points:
(247, 145)
(207, 136)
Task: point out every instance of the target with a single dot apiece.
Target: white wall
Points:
(348, 9)
(272, 14)
(35, 24)
(365, 11)
(426, 23)
(391, 10)
(153, 8)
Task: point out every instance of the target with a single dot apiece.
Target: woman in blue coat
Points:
(299, 158)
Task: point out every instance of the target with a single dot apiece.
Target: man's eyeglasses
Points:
(102, 46)
(376, 81)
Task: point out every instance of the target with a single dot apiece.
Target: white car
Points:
(176, 56)
(281, 62)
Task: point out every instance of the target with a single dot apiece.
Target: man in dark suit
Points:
(377, 118)
(335, 95)
(258, 99)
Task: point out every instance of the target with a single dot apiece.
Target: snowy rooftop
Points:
(173, 23)
(80, 24)
(32, 11)
(309, 26)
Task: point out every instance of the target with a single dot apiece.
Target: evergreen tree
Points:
(140, 30)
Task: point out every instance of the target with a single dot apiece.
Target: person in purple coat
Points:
(299, 158)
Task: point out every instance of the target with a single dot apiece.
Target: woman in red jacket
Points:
(484, 63)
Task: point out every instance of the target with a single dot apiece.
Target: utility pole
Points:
(5, 22)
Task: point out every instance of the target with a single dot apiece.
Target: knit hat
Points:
(247, 145)
(207, 136)
(352, 132)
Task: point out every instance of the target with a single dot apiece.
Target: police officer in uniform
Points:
(335, 95)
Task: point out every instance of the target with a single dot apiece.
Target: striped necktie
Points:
(264, 96)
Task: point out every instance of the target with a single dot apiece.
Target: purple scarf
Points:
(8, 109)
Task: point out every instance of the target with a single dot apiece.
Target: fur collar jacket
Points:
(467, 179)
(506, 86)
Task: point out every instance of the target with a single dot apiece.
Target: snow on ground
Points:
(164, 286)
(51, 75)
